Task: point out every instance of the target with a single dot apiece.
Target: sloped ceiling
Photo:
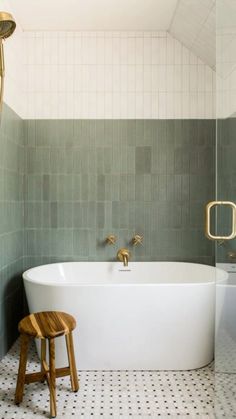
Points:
(193, 24)
(94, 15)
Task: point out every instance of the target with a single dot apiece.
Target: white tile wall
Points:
(114, 75)
(105, 75)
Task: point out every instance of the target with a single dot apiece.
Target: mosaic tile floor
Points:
(116, 394)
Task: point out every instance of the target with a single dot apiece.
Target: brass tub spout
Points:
(123, 255)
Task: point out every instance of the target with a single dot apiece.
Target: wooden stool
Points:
(46, 325)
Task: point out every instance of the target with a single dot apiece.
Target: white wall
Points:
(115, 75)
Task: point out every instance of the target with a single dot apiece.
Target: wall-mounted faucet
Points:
(123, 255)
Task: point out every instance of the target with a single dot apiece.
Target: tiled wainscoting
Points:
(89, 178)
(11, 225)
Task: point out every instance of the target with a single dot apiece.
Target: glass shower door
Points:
(225, 336)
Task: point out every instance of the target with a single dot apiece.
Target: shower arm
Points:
(2, 72)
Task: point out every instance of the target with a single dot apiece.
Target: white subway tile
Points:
(155, 106)
(116, 105)
(108, 105)
(108, 50)
(112, 75)
(170, 78)
(177, 82)
(178, 53)
(124, 78)
(116, 51)
(131, 106)
(139, 46)
(201, 78)
(123, 105)
(131, 51)
(131, 78)
(116, 82)
(108, 78)
(170, 50)
(162, 103)
(147, 105)
(100, 50)
(99, 75)
(156, 51)
(78, 78)
(124, 51)
(155, 78)
(100, 105)
(178, 108)
(147, 51)
(193, 78)
(147, 78)
(139, 78)
(193, 98)
(77, 50)
(139, 106)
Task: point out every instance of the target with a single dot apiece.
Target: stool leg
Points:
(22, 367)
(43, 354)
(72, 364)
(52, 382)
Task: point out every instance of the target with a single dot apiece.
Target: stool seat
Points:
(47, 324)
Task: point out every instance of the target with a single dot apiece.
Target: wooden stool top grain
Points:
(47, 324)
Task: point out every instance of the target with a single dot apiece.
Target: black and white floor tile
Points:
(113, 394)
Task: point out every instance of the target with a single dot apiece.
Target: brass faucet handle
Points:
(137, 239)
(111, 239)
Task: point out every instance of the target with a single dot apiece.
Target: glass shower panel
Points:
(225, 337)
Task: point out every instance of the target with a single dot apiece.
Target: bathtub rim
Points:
(25, 275)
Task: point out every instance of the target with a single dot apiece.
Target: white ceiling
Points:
(86, 15)
(194, 25)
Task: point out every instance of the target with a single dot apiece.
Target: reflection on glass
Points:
(225, 336)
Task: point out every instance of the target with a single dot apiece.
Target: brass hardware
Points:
(209, 206)
(2, 73)
(137, 239)
(7, 27)
(231, 255)
(111, 239)
(123, 255)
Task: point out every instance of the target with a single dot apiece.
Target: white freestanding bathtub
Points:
(150, 316)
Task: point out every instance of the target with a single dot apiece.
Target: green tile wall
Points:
(89, 178)
(11, 225)
(66, 185)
